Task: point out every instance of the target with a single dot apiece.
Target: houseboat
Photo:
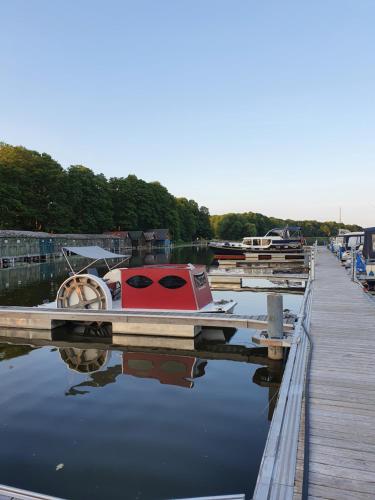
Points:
(284, 240)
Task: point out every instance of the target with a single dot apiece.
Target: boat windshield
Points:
(276, 232)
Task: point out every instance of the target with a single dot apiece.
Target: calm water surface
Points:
(101, 423)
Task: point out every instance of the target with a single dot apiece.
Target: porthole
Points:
(139, 281)
(172, 282)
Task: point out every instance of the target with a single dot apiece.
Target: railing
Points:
(276, 476)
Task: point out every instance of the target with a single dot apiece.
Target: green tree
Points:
(204, 229)
(32, 188)
(89, 200)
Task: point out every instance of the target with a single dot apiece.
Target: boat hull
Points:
(281, 246)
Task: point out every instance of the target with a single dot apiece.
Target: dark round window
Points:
(139, 281)
(172, 282)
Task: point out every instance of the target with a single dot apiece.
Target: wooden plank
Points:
(340, 484)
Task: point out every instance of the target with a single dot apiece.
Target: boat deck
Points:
(342, 389)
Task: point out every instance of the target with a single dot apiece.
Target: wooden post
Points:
(275, 323)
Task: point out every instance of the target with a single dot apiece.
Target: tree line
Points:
(235, 226)
(38, 194)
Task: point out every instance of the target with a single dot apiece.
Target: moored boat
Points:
(287, 239)
(159, 288)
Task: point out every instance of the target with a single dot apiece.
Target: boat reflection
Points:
(84, 360)
(168, 369)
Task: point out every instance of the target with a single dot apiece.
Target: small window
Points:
(200, 280)
(172, 282)
(139, 281)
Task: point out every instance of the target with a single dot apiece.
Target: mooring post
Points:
(275, 323)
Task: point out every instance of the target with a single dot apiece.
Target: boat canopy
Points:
(95, 254)
(353, 239)
(369, 243)
(285, 232)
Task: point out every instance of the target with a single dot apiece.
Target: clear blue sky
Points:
(257, 105)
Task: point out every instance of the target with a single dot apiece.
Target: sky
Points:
(243, 105)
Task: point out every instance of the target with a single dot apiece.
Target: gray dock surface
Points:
(342, 389)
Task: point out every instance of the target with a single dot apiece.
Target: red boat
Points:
(167, 287)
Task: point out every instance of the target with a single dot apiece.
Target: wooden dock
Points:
(341, 401)
(321, 443)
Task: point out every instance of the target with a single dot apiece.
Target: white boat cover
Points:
(95, 252)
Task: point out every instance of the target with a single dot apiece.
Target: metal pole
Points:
(353, 263)
(312, 262)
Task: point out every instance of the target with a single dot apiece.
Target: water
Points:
(91, 422)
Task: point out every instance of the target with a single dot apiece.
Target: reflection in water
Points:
(270, 376)
(154, 429)
(83, 360)
(8, 351)
(168, 369)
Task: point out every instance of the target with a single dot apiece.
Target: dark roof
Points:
(160, 234)
(135, 235)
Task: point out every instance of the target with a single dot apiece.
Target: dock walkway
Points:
(341, 388)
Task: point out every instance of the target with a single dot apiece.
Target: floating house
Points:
(137, 238)
(149, 237)
(162, 237)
